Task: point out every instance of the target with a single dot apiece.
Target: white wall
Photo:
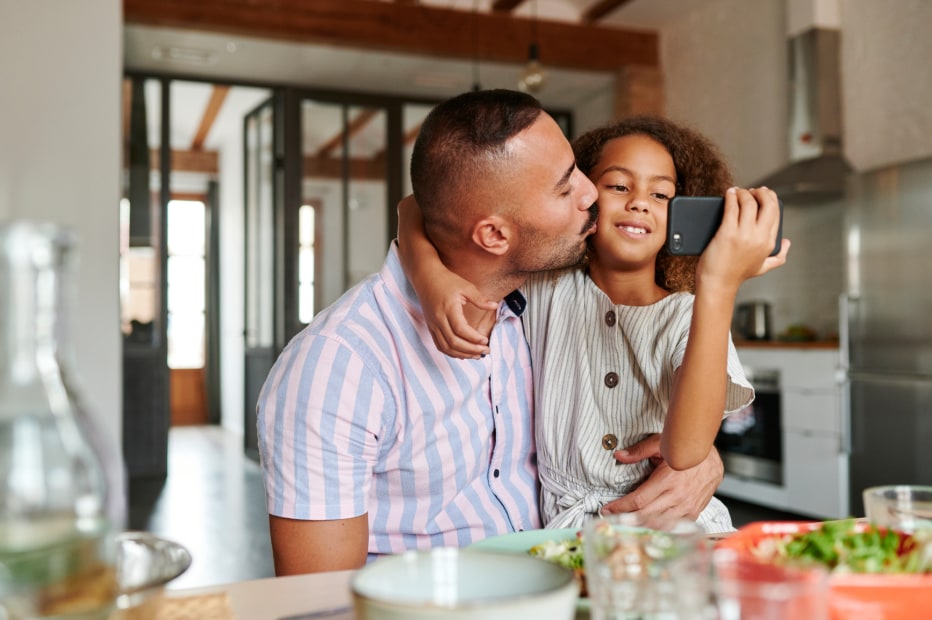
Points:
(727, 77)
(60, 70)
(232, 278)
(886, 81)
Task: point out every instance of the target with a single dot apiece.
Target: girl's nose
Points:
(638, 203)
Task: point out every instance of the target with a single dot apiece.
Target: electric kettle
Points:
(752, 320)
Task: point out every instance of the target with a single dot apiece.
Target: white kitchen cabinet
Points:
(815, 474)
(812, 422)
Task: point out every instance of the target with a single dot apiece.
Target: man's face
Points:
(551, 200)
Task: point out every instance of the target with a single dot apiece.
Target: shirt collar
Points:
(394, 275)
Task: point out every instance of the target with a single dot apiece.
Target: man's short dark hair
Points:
(461, 140)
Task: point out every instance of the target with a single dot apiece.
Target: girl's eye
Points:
(618, 188)
(662, 197)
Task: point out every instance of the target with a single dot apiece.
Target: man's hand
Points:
(667, 495)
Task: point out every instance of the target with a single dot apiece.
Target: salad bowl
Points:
(852, 595)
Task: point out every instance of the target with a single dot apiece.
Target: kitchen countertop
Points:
(787, 344)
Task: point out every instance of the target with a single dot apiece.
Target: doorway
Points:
(187, 284)
(182, 172)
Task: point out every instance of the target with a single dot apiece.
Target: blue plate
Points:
(521, 542)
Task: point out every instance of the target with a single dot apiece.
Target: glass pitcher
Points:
(56, 536)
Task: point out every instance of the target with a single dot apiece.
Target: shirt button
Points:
(610, 318)
(495, 473)
(609, 442)
(611, 379)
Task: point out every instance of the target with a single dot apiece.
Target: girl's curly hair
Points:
(700, 171)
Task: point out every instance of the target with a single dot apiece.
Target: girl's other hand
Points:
(742, 245)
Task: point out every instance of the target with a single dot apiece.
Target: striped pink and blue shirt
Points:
(362, 415)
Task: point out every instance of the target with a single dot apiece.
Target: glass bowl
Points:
(903, 507)
(145, 563)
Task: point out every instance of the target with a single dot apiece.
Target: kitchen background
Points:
(724, 67)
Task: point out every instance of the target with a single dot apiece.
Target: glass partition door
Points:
(262, 190)
(345, 193)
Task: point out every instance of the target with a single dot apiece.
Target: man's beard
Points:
(541, 252)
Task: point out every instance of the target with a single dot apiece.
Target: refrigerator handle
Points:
(846, 302)
(844, 435)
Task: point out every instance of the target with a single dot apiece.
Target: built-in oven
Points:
(750, 440)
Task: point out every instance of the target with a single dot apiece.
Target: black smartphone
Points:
(693, 220)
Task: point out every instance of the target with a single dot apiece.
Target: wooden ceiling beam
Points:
(326, 167)
(356, 125)
(127, 107)
(409, 137)
(217, 96)
(203, 162)
(332, 168)
(388, 26)
(506, 5)
(600, 9)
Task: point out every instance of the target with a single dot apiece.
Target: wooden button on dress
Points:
(609, 442)
(610, 318)
(611, 379)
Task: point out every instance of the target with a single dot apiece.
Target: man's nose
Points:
(589, 195)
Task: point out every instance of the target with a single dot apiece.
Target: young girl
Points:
(636, 341)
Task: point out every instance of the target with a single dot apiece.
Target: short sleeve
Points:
(319, 425)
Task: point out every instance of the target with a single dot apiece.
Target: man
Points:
(374, 442)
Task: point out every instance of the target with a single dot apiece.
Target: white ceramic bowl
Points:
(465, 584)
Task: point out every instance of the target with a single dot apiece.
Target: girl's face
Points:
(636, 178)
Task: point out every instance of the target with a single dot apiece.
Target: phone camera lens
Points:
(677, 241)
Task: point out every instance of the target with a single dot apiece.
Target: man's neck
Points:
(485, 273)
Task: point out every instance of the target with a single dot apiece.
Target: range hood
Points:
(816, 169)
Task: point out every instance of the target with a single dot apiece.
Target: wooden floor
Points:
(213, 502)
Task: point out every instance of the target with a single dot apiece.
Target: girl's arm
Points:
(738, 251)
(442, 293)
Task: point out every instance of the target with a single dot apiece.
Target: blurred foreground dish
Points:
(852, 596)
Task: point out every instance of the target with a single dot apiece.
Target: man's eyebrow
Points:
(566, 177)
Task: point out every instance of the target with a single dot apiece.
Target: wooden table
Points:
(277, 598)
(323, 596)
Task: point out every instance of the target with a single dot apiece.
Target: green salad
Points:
(567, 553)
(846, 546)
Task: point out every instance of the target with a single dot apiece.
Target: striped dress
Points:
(603, 378)
(362, 415)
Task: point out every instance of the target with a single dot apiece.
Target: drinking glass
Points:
(636, 573)
(906, 508)
(747, 589)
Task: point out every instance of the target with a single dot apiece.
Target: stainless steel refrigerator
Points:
(886, 328)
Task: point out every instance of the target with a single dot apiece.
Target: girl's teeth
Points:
(637, 231)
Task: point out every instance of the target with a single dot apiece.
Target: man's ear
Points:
(492, 234)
